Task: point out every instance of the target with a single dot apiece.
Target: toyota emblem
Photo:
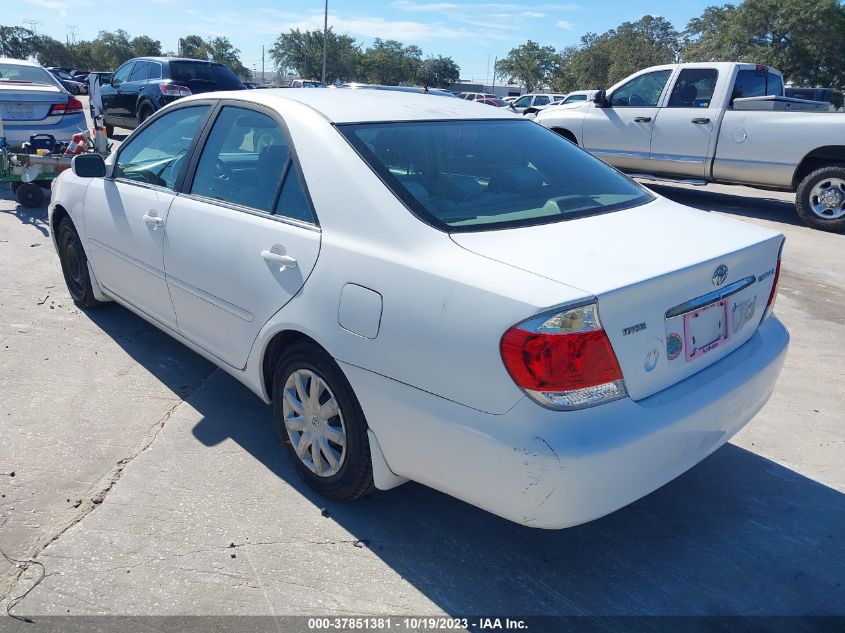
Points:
(720, 275)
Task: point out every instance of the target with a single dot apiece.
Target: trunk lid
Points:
(660, 273)
(21, 102)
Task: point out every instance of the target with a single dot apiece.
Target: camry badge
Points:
(720, 275)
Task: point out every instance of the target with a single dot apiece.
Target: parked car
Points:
(493, 101)
(536, 100)
(73, 85)
(33, 101)
(510, 98)
(577, 96)
(104, 77)
(829, 95)
(144, 85)
(716, 122)
(80, 75)
(476, 96)
(307, 83)
(396, 314)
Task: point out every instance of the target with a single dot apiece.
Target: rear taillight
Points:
(73, 106)
(174, 90)
(773, 295)
(563, 359)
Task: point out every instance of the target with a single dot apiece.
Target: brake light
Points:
(174, 90)
(563, 359)
(773, 295)
(73, 106)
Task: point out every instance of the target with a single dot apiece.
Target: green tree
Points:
(193, 46)
(302, 52)
(145, 46)
(804, 39)
(438, 72)
(110, 49)
(530, 64)
(51, 52)
(390, 63)
(215, 49)
(16, 42)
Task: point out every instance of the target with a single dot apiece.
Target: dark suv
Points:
(145, 84)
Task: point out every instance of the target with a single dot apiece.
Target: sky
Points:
(473, 32)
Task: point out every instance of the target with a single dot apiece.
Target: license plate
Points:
(706, 329)
(17, 112)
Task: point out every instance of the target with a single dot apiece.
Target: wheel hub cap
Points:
(827, 199)
(314, 423)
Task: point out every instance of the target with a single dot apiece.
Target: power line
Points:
(33, 25)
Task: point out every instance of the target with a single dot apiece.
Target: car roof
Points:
(362, 106)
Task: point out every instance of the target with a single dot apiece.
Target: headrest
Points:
(516, 180)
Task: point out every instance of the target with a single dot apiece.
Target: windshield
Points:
(479, 175)
(214, 76)
(13, 73)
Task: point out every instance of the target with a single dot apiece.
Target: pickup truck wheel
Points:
(820, 199)
(75, 265)
(320, 423)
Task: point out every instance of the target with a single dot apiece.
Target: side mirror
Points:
(600, 99)
(88, 166)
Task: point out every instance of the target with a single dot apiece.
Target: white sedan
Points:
(429, 290)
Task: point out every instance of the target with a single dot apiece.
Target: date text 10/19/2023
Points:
(430, 623)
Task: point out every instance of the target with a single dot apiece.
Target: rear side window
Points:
(210, 76)
(694, 88)
(293, 202)
(541, 100)
(477, 175)
(753, 83)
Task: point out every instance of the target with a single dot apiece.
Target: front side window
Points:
(694, 88)
(523, 102)
(575, 98)
(141, 72)
(122, 73)
(541, 100)
(156, 155)
(641, 92)
(243, 160)
(477, 175)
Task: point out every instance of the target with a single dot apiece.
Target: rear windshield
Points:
(216, 76)
(480, 175)
(13, 73)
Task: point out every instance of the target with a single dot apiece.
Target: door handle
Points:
(642, 119)
(153, 221)
(701, 121)
(284, 261)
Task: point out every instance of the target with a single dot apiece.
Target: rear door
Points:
(620, 133)
(126, 215)
(683, 130)
(243, 237)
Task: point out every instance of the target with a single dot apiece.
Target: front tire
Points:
(321, 424)
(75, 265)
(820, 199)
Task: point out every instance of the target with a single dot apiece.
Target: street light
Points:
(325, 36)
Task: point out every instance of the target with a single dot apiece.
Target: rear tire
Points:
(306, 383)
(144, 113)
(29, 194)
(820, 199)
(75, 265)
(109, 129)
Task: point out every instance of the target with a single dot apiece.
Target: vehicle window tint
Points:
(476, 175)
(122, 73)
(24, 74)
(541, 100)
(204, 76)
(752, 83)
(157, 154)
(141, 72)
(155, 70)
(574, 98)
(522, 102)
(694, 88)
(243, 160)
(293, 202)
(641, 92)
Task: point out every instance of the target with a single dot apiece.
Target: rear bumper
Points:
(554, 469)
(63, 130)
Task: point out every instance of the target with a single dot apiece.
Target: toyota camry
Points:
(428, 290)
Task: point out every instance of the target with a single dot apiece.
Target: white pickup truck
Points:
(679, 122)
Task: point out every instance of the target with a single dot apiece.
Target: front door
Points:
(126, 215)
(620, 132)
(113, 108)
(680, 142)
(243, 238)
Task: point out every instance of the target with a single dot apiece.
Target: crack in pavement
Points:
(90, 504)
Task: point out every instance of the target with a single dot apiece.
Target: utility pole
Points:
(495, 61)
(325, 38)
(33, 25)
(262, 63)
(72, 30)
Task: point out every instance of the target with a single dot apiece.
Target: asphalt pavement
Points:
(148, 482)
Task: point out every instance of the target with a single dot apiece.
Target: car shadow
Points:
(737, 535)
(35, 217)
(760, 207)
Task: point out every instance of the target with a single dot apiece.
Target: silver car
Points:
(32, 101)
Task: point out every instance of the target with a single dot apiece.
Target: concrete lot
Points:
(148, 482)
